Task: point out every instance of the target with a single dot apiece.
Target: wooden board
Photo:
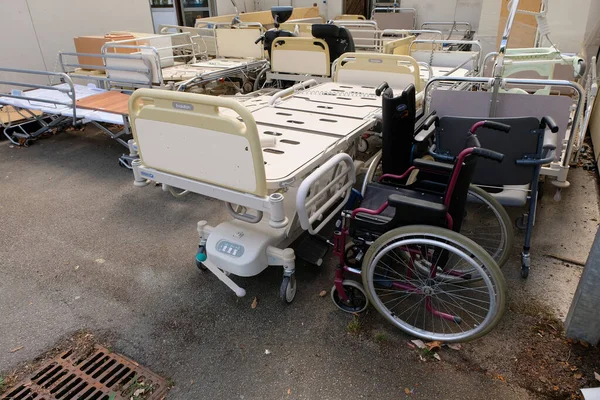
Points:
(524, 27)
(265, 17)
(9, 115)
(112, 102)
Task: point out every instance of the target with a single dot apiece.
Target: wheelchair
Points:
(417, 270)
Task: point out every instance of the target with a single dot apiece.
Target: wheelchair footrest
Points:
(311, 249)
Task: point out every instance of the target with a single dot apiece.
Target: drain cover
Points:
(102, 375)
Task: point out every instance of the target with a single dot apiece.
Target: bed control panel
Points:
(232, 249)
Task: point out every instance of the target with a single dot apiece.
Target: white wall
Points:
(446, 10)
(34, 31)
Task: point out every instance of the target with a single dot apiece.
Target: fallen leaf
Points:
(289, 391)
(267, 351)
(584, 344)
(543, 379)
(577, 376)
(323, 293)
(437, 356)
(407, 391)
(418, 343)
(412, 346)
(100, 260)
(597, 376)
(254, 303)
(17, 349)
(76, 267)
(192, 382)
(435, 345)
(500, 378)
(555, 388)
(454, 346)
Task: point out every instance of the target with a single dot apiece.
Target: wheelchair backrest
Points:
(523, 141)
(337, 38)
(398, 120)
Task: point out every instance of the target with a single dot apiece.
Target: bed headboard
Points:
(300, 55)
(190, 135)
(398, 71)
(239, 43)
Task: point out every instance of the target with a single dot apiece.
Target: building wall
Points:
(34, 31)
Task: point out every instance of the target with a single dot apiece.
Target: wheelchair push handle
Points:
(381, 88)
(547, 121)
(497, 126)
(489, 154)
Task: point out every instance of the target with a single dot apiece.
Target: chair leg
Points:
(525, 255)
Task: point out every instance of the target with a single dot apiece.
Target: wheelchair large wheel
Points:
(427, 305)
(488, 224)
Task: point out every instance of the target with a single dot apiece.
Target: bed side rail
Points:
(16, 87)
(136, 70)
(328, 186)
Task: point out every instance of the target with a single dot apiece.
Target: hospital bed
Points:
(258, 158)
(178, 67)
(392, 17)
(53, 106)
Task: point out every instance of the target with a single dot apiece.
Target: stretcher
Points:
(48, 107)
(286, 157)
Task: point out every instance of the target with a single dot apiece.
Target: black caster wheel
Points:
(522, 221)
(201, 266)
(287, 292)
(357, 297)
(524, 272)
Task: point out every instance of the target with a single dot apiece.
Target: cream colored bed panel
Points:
(317, 123)
(187, 135)
(297, 103)
(401, 20)
(399, 70)
(239, 43)
(299, 55)
(399, 46)
(350, 17)
(292, 150)
(163, 45)
(120, 75)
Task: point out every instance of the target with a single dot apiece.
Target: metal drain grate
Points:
(103, 375)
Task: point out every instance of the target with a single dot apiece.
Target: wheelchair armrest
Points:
(433, 166)
(550, 140)
(414, 206)
(425, 131)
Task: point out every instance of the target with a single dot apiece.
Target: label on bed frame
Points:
(183, 106)
(16, 92)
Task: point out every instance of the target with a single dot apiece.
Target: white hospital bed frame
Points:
(58, 103)
(281, 157)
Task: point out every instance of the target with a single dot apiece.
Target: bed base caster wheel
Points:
(524, 272)
(287, 292)
(201, 266)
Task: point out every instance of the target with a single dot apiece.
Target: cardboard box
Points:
(93, 45)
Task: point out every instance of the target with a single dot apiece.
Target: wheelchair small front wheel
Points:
(357, 297)
(287, 291)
